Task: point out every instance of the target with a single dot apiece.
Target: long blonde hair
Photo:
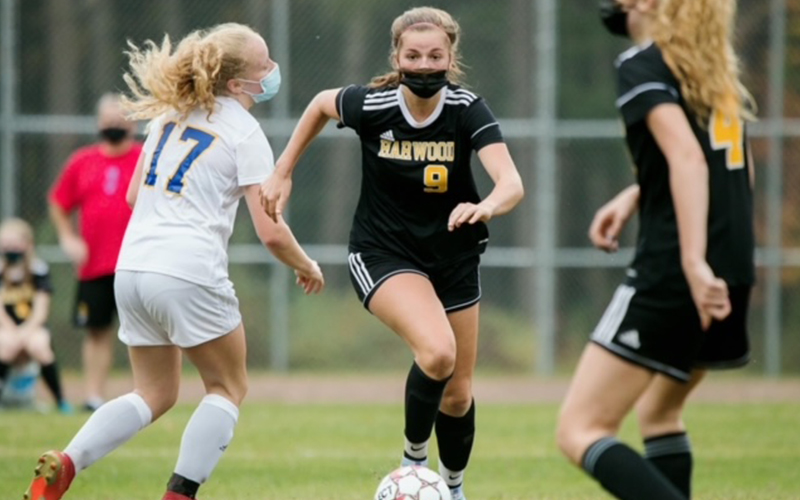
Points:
(191, 77)
(423, 19)
(695, 37)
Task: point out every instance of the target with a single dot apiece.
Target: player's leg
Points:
(38, 347)
(602, 392)
(156, 379)
(221, 363)
(660, 414)
(407, 303)
(455, 424)
(95, 311)
(11, 345)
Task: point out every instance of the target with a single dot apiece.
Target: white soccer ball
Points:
(412, 482)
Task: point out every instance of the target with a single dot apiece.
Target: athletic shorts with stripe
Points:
(660, 330)
(458, 286)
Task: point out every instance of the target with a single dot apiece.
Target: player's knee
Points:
(438, 362)
(659, 419)
(457, 403)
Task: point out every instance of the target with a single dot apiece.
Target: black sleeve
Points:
(480, 125)
(41, 278)
(644, 82)
(350, 105)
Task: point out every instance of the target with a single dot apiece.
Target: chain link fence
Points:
(545, 67)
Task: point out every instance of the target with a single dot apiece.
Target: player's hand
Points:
(469, 213)
(310, 280)
(610, 219)
(76, 249)
(709, 293)
(275, 192)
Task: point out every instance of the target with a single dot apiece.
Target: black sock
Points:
(182, 486)
(455, 436)
(53, 380)
(4, 368)
(423, 396)
(625, 473)
(672, 455)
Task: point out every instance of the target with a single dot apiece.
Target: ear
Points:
(234, 86)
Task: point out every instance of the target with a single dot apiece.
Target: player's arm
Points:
(71, 242)
(136, 181)
(689, 185)
(275, 191)
(507, 192)
(280, 241)
(610, 219)
(6, 323)
(39, 312)
(751, 167)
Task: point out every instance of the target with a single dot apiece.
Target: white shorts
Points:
(156, 309)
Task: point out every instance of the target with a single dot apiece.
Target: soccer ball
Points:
(413, 482)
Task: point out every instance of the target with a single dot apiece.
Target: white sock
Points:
(454, 479)
(416, 451)
(206, 437)
(109, 427)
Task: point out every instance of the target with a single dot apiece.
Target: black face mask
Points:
(13, 257)
(614, 18)
(424, 85)
(114, 135)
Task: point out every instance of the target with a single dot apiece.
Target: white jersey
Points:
(193, 178)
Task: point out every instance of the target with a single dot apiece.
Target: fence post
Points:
(546, 39)
(774, 194)
(8, 80)
(279, 280)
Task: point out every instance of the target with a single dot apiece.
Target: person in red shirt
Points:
(93, 183)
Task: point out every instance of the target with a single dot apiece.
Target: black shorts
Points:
(95, 305)
(660, 330)
(458, 286)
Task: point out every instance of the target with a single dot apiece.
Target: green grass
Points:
(310, 452)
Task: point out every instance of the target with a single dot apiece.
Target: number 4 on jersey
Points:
(175, 183)
(728, 134)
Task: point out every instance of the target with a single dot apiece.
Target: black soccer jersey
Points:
(17, 298)
(645, 81)
(416, 173)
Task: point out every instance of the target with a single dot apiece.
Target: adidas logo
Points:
(388, 135)
(630, 339)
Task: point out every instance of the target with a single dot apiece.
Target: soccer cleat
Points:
(457, 493)
(65, 408)
(171, 495)
(52, 477)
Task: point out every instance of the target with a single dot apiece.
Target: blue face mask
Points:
(270, 85)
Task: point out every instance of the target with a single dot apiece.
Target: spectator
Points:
(25, 293)
(94, 182)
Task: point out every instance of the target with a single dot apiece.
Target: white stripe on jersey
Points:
(379, 100)
(381, 94)
(645, 87)
(612, 318)
(462, 93)
(485, 126)
(457, 102)
(381, 106)
(632, 52)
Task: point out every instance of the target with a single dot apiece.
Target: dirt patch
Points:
(382, 388)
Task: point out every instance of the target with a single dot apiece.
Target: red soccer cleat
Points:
(171, 495)
(52, 477)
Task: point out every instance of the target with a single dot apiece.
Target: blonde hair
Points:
(695, 37)
(423, 19)
(192, 77)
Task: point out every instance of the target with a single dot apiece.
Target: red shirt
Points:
(96, 184)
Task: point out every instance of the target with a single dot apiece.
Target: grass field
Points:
(339, 452)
